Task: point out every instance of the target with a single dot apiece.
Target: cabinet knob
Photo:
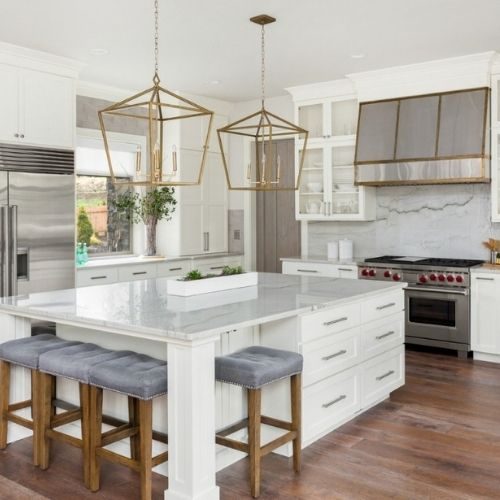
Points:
(22, 136)
(16, 135)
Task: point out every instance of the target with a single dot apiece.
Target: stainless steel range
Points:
(437, 297)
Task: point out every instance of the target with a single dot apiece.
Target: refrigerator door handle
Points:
(4, 252)
(12, 243)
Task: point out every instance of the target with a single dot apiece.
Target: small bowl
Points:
(315, 187)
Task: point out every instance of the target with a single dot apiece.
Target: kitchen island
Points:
(350, 332)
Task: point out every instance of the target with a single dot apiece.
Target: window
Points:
(98, 225)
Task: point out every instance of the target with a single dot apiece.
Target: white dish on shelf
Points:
(315, 187)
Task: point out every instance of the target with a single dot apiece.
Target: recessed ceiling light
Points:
(99, 52)
(215, 82)
(358, 56)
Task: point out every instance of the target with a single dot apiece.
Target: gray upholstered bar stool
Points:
(24, 352)
(253, 368)
(141, 378)
(74, 363)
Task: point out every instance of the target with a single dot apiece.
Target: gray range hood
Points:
(428, 139)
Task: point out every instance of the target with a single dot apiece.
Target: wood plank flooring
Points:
(437, 438)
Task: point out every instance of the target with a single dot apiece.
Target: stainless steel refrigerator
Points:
(37, 219)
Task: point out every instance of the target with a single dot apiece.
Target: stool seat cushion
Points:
(75, 362)
(133, 374)
(256, 366)
(26, 351)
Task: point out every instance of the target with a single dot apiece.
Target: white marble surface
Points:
(448, 221)
(139, 259)
(143, 308)
(321, 259)
(484, 269)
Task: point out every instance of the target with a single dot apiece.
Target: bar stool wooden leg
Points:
(133, 415)
(146, 447)
(254, 414)
(44, 411)
(95, 432)
(85, 407)
(4, 401)
(296, 393)
(35, 411)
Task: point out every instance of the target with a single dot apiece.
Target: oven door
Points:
(438, 314)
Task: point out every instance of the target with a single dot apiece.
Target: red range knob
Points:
(422, 279)
(433, 277)
(373, 272)
(396, 277)
(364, 272)
(459, 279)
(441, 277)
(450, 278)
(387, 274)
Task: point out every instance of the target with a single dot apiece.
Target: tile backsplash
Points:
(438, 220)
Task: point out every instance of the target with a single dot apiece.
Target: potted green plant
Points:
(149, 208)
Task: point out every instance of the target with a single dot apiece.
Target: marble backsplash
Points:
(438, 221)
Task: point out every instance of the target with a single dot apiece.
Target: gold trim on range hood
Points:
(424, 170)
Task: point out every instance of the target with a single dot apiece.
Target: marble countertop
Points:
(485, 269)
(144, 309)
(138, 259)
(322, 259)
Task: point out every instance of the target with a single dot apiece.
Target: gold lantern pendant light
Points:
(159, 115)
(266, 171)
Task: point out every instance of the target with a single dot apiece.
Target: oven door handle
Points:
(436, 290)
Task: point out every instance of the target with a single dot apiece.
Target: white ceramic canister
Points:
(333, 250)
(346, 250)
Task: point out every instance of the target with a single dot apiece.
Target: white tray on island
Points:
(178, 286)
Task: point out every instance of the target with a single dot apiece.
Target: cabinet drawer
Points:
(383, 335)
(178, 268)
(139, 272)
(330, 355)
(382, 375)
(318, 324)
(349, 272)
(330, 402)
(382, 306)
(89, 277)
(310, 269)
(216, 265)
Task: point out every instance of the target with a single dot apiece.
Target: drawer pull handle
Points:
(331, 356)
(379, 308)
(98, 277)
(345, 269)
(333, 321)
(175, 269)
(331, 403)
(385, 375)
(388, 334)
(217, 267)
(485, 279)
(307, 270)
(138, 273)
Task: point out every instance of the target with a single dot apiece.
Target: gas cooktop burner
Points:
(424, 261)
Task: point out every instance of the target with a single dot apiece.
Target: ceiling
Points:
(203, 41)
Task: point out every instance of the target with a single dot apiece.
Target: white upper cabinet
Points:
(327, 190)
(37, 98)
(495, 145)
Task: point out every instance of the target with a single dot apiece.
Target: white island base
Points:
(351, 334)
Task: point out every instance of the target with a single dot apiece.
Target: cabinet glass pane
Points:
(345, 195)
(377, 131)
(497, 117)
(418, 118)
(343, 156)
(311, 118)
(461, 125)
(312, 183)
(344, 117)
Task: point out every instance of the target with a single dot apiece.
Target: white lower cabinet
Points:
(330, 402)
(325, 269)
(139, 272)
(96, 276)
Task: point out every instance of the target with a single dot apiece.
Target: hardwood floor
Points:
(437, 438)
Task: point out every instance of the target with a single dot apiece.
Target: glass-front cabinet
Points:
(495, 148)
(327, 190)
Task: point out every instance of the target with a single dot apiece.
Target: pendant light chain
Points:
(156, 38)
(263, 64)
